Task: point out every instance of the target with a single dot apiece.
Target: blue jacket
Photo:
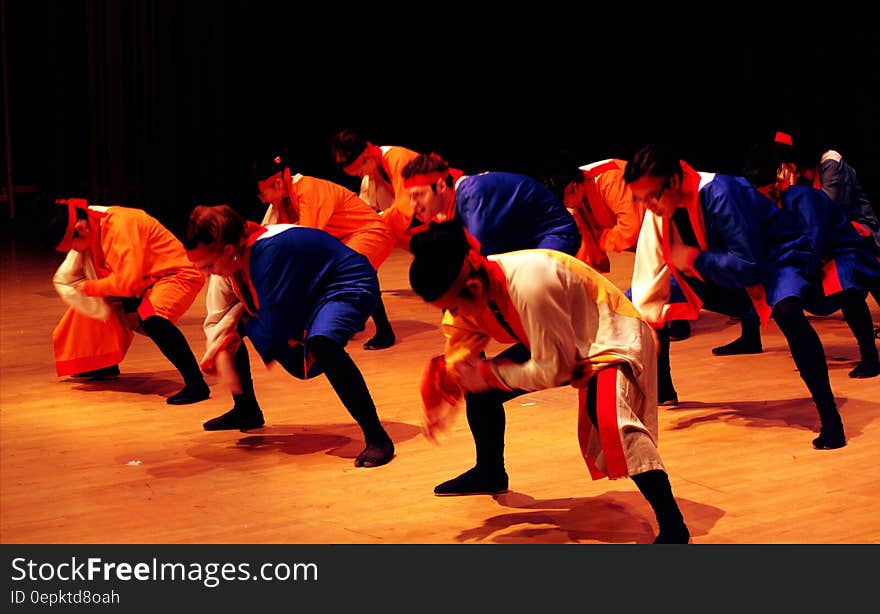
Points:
(752, 241)
(847, 261)
(307, 283)
(508, 212)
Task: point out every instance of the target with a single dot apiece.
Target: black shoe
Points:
(191, 393)
(667, 397)
(739, 346)
(677, 534)
(668, 402)
(236, 419)
(865, 370)
(375, 454)
(679, 330)
(830, 439)
(381, 341)
(97, 374)
(474, 481)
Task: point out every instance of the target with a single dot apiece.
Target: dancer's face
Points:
(660, 195)
(573, 196)
(431, 202)
(363, 165)
(214, 260)
(272, 190)
(82, 236)
(468, 297)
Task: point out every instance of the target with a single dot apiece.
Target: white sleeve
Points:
(543, 295)
(223, 313)
(73, 270)
(651, 276)
(270, 217)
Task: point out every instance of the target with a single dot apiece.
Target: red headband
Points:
(372, 151)
(425, 178)
(66, 243)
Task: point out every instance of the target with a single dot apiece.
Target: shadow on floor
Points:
(613, 517)
(798, 413)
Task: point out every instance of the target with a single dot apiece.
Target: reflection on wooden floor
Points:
(113, 463)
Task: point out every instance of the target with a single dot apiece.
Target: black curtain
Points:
(162, 104)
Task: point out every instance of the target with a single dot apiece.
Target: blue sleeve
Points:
(814, 214)
(733, 226)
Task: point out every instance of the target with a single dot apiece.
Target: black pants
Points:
(487, 421)
(803, 342)
(346, 379)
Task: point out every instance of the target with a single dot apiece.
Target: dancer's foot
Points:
(679, 330)
(381, 341)
(191, 393)
(739, 346)
(375, 454)
(865, 370)
(677, 534)
(667, 396)
(830, 439)
(110, 372)
(236, 419)
(474, 481)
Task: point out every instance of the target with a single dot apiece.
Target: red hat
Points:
(783, 137)
(72, 204)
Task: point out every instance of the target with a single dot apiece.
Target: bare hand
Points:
(470, 375)
(683, 258)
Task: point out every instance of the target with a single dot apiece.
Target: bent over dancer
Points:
(299, 295)
(124, 273)
(566, 325)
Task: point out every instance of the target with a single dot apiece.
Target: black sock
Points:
(380, 319)
(750, 330)
(809, 357)
(665, 388)
(245, 402)
(487, 421)
(655, 487)
(174, 347)
(241, 362)
(858, 318)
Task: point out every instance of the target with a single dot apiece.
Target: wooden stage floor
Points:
(108, 463)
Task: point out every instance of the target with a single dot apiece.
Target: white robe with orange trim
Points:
(575, 323)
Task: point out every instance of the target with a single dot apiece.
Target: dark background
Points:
(163, 104)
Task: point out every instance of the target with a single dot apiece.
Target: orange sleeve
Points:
(137, 251)
(122, 241)
(618, 196)
(398, 222)
(318, 200)
(397, 158)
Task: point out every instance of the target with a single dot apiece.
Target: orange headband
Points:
(66, 243)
